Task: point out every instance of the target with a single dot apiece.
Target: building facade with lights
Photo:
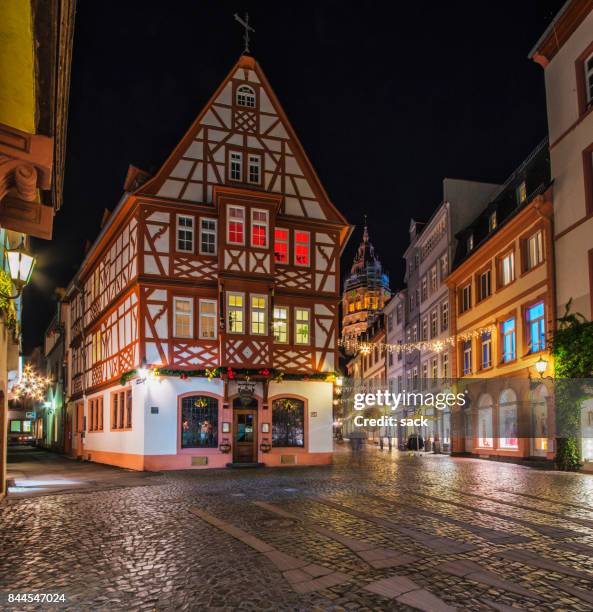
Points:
(565, 51)
(504, 314)
(428, 366)
(204, 319)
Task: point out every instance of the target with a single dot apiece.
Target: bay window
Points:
(259, 228)
(236, 225)
(259, 308)
(236, 312)
(280, 324)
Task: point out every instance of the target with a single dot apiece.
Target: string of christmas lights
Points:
(31, 385)
(435, 346)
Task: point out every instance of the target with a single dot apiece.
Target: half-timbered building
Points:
(205, 316)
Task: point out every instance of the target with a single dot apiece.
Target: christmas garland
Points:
(232, 373)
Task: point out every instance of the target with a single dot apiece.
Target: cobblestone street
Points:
(379, 532)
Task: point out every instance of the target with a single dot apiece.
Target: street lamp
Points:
(540, 365)
(20, 268)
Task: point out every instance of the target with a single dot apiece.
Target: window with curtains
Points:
(280, 324)
(236, 225)
(259, 228)
(199, 422)
(507, 269)
(207, 319)
(121, 410)
(509, 347)
(259, 307)
(95, 414)
(288, 422)
(301, 248)
(236, 312)
(534, 250)
(302, 317)
(536, 328)
(281, 245)
(183, 323)
(486, 352)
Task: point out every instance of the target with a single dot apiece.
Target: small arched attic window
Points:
(246, 96)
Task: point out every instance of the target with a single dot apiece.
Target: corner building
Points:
(205, 316)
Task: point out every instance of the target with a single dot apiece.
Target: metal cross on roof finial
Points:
(248, 28)
(365, 219)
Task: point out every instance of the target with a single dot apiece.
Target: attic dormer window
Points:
(470, 243)
(246, 96)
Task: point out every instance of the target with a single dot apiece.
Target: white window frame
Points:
(228, 224)
(190, 300)
(233, 161)
(249, 94)
(260, 223)
(209, 232)
(207, 316)
(296, 324)
(296, 244)
(511, 268)
(259, 309)
(251, 157)
(538, 240)
(230, 309)
(444, 316)
(190, 229)
(285, 320)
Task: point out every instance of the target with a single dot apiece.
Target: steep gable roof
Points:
(200, 160)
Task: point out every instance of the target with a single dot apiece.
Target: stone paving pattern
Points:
(382, 532)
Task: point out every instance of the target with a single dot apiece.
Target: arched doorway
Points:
(245, 430)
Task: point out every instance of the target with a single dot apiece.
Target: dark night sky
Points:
(386, 99)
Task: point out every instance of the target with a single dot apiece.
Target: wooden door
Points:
(245, 432)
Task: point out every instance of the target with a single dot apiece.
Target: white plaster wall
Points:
(160, 430)
(319, 399)
(132, 441)
(560, 75)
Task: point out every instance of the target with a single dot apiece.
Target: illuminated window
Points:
(208, 236)
(492, 221)
(259, 228)
(207, 319)
(185, 233)
(259, 306)
(486, 350)
(536, 328)
(302, 325)
(509, 349)
(534, 250)
(467, 357)
(183, 321)
(246, 96)
(484, 285)
(236, 166)
(236, 225)
(254, 169)
(521, 193)
(466, 297)
(507, 269)
(281, 245)
(301, 248)
(280, 324)
(235, 312)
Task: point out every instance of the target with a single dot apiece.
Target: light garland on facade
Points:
(31, 385)
(434, 346)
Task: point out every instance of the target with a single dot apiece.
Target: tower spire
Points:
(248, 28)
